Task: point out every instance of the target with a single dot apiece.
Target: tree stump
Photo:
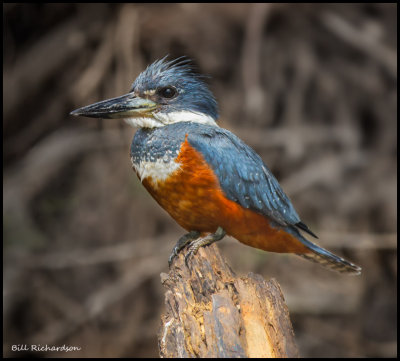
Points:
(211, 312)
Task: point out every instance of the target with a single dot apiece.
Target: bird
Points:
(208, 180)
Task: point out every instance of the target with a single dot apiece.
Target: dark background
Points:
(312, 88)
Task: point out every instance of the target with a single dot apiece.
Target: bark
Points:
(211, 312)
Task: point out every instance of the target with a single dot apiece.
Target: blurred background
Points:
(311, 87)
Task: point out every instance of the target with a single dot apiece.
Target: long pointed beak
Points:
(125, 106)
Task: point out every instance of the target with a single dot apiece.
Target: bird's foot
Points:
(182, 242)
(204, 241)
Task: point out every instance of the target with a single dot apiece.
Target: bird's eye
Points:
(167, 92)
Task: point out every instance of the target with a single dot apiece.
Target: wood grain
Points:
(212, 312)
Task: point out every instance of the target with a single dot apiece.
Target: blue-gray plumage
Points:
(193, 93)
(151, 145)
(242, 174)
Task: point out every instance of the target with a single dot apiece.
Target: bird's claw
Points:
(192, 251)
(173, 254)
(194, 244)
(183, 241)
(201, 242)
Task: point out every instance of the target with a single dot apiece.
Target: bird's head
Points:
(166, 92)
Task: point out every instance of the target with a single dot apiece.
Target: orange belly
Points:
(193, 197)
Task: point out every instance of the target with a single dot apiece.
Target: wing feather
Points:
(243, 176)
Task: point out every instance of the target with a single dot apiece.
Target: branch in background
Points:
(251, 58)
(45, 58)
(366, 39)
(100, 301)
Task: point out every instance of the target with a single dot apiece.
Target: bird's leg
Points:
(182, 242)
(204, 241)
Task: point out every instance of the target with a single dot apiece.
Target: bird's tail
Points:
(332, 262)
(325, 258)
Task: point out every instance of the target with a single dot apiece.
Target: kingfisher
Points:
(208, 180)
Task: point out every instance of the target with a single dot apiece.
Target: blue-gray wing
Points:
(243, 176)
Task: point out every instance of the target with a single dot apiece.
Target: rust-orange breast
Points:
(192, 195)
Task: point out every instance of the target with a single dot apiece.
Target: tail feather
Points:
(323, 257)
(332, 262)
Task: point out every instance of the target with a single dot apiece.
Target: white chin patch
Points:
(143, 122)
(162, 119)
(184, 116)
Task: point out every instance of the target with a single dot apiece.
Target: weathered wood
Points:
(211, 312)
